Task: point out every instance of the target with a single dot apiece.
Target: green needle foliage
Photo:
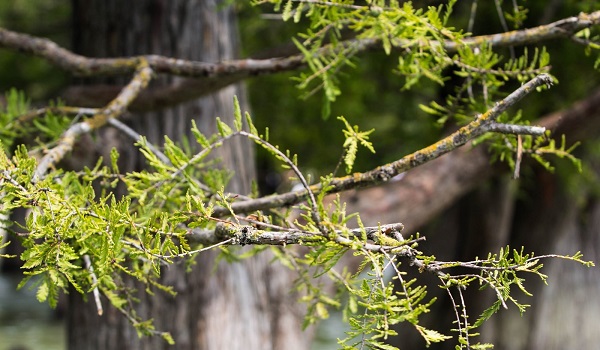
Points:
(353, 138)
(80, 235)
(74, 217)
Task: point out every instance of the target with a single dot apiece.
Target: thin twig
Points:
(512, 129)
(400, 279)
(455, 308)
(63, 110)
(519, 157)
(499, 72)
(463, 306)
(584, 42)
(135, 136)
(472, 16)
(333, 4)
(95, 292)
(485, 281)
(181, 255)
(504, 25)
(280, 155)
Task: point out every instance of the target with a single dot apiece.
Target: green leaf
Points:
(168, 338)
(42, 292)
(353, 138)
(251, 126)
(485, 315)
(114, 158)
(287, 10)
(237, 113)
(199, 136)
(224, 129)
(321, 311)
(114, 299)
(432, 336)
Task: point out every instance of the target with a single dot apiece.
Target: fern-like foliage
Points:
(354, 137)
(79, 235)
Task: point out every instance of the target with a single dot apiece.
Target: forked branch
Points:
(209, 77)
(85, 66)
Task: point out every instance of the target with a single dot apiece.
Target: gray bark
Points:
(245, 305)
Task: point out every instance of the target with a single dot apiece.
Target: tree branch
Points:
(93, 67)
(95, 291)
(85, 66)
(64, 110)
(247, 234)
(513, 129)
(384, 173)
(215, 76)
(426, 191)
(114, 109)
(563, 28)
(124, 128)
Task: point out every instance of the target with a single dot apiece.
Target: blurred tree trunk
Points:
(562, 216)
(549, 218)
(467, 207)
(244, 305)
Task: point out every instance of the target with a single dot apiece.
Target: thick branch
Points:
(563, 28)
(92, 67)
(218, 75)
(384, 173)
(84, 66)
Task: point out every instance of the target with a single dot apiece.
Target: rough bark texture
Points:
(246, 305)
(567, 313)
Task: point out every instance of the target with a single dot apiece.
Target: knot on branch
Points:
(239, 235)
(389, 235)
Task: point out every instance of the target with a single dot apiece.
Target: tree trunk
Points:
(244, 305)
(549, 219)
(550, 215)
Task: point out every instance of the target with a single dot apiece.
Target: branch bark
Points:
(92, 67)
(384, 173)
(210, 77)
(248, 234)
(426, 191)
